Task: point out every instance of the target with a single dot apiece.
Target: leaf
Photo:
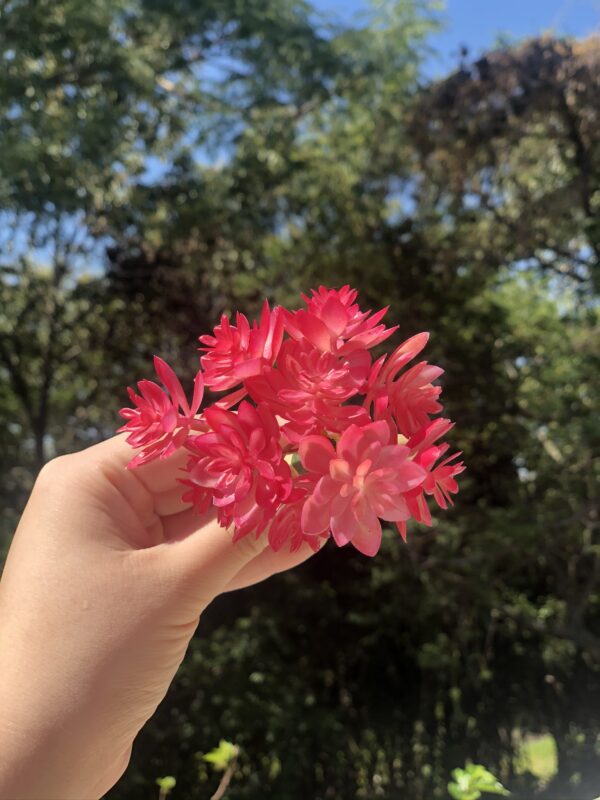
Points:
(222, 755)
(469, 783)
(166, 784)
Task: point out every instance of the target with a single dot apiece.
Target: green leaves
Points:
(222, 756)
(166, 785)
(470, 783)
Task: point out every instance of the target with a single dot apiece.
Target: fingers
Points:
(151, 489)
(266, 564)
(170, 503)
(162, 475)
(115, 450)
(202, 555)
(157, 476)
(185, 523)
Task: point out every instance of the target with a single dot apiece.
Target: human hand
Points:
(104, 585)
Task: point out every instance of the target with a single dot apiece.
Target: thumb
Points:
(201, 556)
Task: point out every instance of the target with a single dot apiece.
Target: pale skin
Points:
(103, 587)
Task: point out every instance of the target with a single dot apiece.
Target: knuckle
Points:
(249, 547)
(54, 469)
(59, 472)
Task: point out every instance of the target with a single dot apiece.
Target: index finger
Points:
(158, 476)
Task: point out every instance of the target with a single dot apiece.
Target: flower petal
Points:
(315, 453)
(172, 383)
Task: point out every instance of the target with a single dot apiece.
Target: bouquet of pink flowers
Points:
(324, 441)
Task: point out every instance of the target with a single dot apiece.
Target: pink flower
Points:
(308, 387)
(411, 398)
(240, 464)
(428, 434)
(286, 525)
(236, 352)
(363, 478)
(156, 423)
(333, 323)
(317, 387)
(387, 367)
(439, 480)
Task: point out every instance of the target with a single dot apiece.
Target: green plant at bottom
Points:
(469, 783)
(224, 759)
(165, 785)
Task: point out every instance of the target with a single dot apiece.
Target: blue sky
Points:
(477, 23)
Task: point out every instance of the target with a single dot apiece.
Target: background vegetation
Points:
(163, 161)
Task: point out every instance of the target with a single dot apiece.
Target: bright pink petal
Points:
(368, 538)
(198, 393)
(172, 383)
(315, 454)
(344, 526)
(392, 509)
(340, 470)
(335, 315)
(315, 517)
(315, 331)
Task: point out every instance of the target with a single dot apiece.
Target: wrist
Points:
(50, 763)
(53, 747)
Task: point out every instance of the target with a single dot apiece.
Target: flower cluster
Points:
(314, 438)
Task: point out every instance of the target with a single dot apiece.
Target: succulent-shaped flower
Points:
(308, 389)
(333, 323)
(361, 480)
(287, 523)
(440, 480)
(239, 464)
(409, 397)
(160, 422)
(362, 429)
(236, 352)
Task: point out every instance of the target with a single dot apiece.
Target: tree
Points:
(481, 135)
(93, 95)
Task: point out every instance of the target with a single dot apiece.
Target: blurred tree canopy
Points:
(163, 162)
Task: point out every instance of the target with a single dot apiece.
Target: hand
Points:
(103, 588)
